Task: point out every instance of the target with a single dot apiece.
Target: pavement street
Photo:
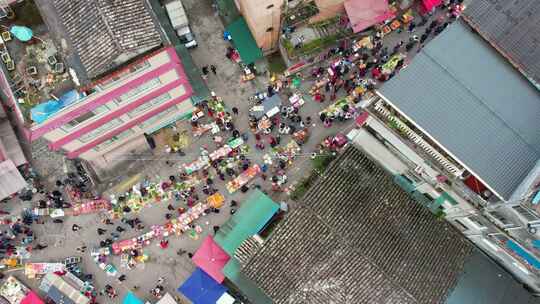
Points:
(175, 269)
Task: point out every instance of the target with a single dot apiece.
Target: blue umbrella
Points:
(200, 288)
(22, 33)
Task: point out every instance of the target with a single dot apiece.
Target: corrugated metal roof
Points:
(358, 238)
(513, 27)
(467, 97)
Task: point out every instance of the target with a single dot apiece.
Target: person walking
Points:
(412, 26)
(213, 69)
(235, 110)
(204, 71)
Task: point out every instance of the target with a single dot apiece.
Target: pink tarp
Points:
(428, 5)
(32, 298)
(365, 13)
(211, 258)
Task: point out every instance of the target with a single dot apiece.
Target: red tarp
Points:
(474, 184)
(365, 13)
(32, 298)
(428, 5)
(211, 258)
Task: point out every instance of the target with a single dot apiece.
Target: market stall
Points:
(93, 206)
(287, 153)
(269, 107)
(200, 163)
(337, 108)
(390, 66)
(31, 270)
(13, 290)
(297, 100)
(243, 178)
(221, 152)
(215, 200)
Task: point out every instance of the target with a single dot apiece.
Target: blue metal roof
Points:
(461, 92)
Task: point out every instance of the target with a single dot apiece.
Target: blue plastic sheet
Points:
(130, 298)
(22, 33)
(42, 111)
(200, 288)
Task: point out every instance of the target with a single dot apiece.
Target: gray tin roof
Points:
(358, 238)
(58, 297)
(513, 27)
(461, 92)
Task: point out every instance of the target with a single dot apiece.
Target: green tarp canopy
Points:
(250, 218)
(243, 41)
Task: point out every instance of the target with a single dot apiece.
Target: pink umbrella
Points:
(211, 258)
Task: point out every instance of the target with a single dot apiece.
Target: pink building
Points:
(121, 79)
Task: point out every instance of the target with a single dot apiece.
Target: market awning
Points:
(243, 41)
(200, 288)
(266, 105)
(255, 212)
(211, 258)
(225, 299)
(167, 299)
(11, 180)
(428, 5)
(31, 298)
(130, 298)
(365, 13)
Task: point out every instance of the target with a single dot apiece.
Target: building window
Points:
(138, 90)
(500, 218)
(270, 6)
(156, 118)
(269, 29)
(120, 136)
(140, 66)
(527, 214)
(86, 116)
(150, 104)
(100, 130)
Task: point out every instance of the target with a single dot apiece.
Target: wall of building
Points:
(160, 90)
(328, 9)
(111, 89)
(264, 20)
